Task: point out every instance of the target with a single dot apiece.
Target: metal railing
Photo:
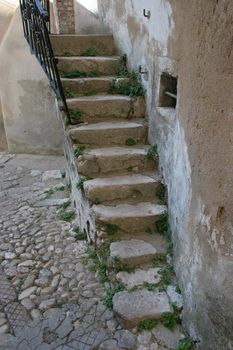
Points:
(36, 26)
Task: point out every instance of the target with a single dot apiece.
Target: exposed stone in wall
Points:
(191, 40)
(65, 17)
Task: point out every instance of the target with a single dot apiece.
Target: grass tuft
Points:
(110, 292)
(185, 344)
(81, 182)
(66, 215)
(130, 142)
(79, 150)
(111, 229)
(89, 52)
(152, 152)
(147, 325)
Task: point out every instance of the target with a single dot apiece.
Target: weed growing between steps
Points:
(51, 191)
(79, 150)
(132, 86)
(72, 74)
(89, 92)
(147, 325)
(185, 344)
(75, 115)
(81, 182)
(69, 93)
(130, 142)
(111, 229)
(110, 292)
(67, 54)
(152, 152)
(161, 194)
(90, 52)
(79, 235)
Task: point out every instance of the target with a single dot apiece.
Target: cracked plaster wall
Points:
(191, 40)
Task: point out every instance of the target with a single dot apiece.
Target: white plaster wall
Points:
(28, 102)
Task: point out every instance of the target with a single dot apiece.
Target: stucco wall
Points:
(28, 102)
(191, 40)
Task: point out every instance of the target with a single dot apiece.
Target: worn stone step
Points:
(110, 133)
(134, 307)
(79, 86)
(139, 277)
(99, 65)
(129, 217)
(77, 44)
(107, 107)
(122, 187)
(114, 160)
(133, 252)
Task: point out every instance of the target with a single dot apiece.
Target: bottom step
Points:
(134, 307)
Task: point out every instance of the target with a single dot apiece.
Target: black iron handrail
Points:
(36, 26)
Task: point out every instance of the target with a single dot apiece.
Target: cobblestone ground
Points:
(48, 297)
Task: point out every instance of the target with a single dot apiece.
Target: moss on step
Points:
(132, 86)
(130, 142)
(75, 114)
(71, 74)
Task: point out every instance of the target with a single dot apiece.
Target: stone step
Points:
(134, 307)
(133, 218)
(107, 107)
(77, 44)
(79, 86)
(100, 162)
(96, 65)
(139, 277)
(110, 133)
(133, 252)
(122, 187)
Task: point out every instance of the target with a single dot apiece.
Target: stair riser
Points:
(76, 45)
(131, 225)
(103, 67)
(113, 193)
(109, 137)
(82, 86)
(107, 110)
(94, 167)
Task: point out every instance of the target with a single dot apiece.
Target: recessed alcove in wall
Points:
(167, 91)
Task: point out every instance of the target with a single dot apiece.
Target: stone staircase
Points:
(121, 181)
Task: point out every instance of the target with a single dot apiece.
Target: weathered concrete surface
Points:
(193, 41)
(140, 277)
(136, 306)
(28, 103)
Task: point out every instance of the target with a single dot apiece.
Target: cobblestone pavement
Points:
(48, 297)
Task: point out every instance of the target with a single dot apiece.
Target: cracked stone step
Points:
(107, 107)
(100, 65)
(133, 252)
(114, 160)
(139, 277)
(122, 187)
(77, 44)
(109, 133)
(134, 307)
(97, 85)
(133, 218)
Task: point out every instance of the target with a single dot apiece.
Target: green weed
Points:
(120, 266)
(69, 93)
(81, 182)
(67, 54)
(80, 236)
(161, 194)
(89, 52)
(152, 152)
(170, 320)
(66, 215)
(131, 87)
(75, 114)
(111, 229)
(147, 325)
(130, 142)
(110, 292)
(162, 225)
(185, 344)
(79, 150)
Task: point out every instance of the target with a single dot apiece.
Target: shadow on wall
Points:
(88, 22)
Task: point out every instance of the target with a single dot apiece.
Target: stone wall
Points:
(190, 40)
(64, 14)
(27, 100)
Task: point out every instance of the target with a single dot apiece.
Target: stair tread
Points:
(101, 98)
(122, 180)
(117, 151)
(102, 78)
(134, 307)
(131, 249)
(109, 125)
(139, 277)
(89, 58)
(82, 35)
(124, 210)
